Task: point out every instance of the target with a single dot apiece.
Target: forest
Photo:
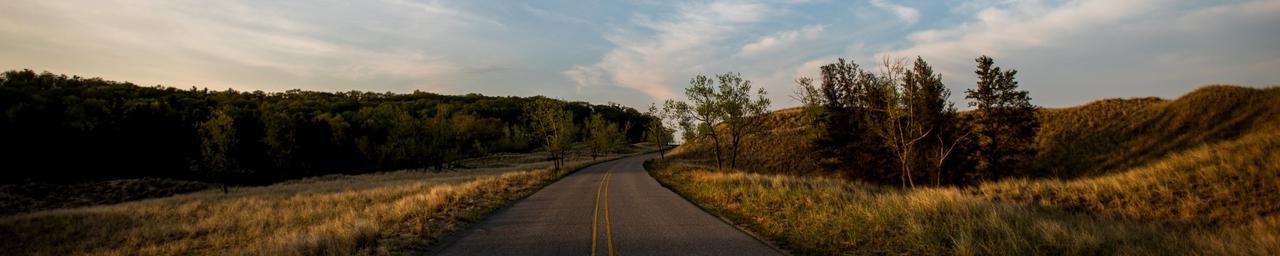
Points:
(63, 129)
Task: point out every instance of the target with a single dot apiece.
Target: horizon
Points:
(636, 52)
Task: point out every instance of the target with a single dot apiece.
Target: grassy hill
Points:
(1118, 134)
(1087, 140)
(1195, 175)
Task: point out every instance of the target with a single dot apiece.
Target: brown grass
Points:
(1115, 134)
(1199, 175)
(335, 215)
(825, 216)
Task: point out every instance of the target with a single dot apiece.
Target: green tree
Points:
(602, 136)
(732, 104)
(932, 109)
(218, 150)
(1004, 122)
(897, 123)
(554, 125)
(657, 131)
(741, 110)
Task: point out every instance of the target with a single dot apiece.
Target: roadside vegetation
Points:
(60, 129)
(394, 212)
(878, 162)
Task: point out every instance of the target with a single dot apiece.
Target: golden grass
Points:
(333, 215)
(1115, 134)
(1199, 175)
(825, 216)
(1228, 182)
(784, 147)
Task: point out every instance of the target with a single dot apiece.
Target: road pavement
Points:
(612, 208)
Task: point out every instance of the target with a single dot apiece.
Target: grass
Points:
(825, 216)
(388, 213)
(1198, 175)
(1119, 134)
(34, 196)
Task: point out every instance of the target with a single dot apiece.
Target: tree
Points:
(842, 105)
(676, 114)
(657, 132)
(897, 123)
(602, 136)
(217, 161)
(900, 114)
(1004, 122)
(732, 104)
(741, 111)
(931, 108)
(705, 109)
(554, 125)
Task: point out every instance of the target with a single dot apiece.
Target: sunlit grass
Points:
(334, 215)
(1213, 200)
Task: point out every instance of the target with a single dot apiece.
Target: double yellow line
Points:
(602, 192)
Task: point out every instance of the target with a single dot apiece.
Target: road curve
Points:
(612, 208)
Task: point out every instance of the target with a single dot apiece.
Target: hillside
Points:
(1118, 134)
(1197, 175)
(1088, 140)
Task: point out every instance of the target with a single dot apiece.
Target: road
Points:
(612, 208)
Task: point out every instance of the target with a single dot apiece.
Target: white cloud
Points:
(679, 44)
(560, 17)
(440, 13)
(780, 40)
(904, 13)
(585, 76)
(219, 44)
(1097, 44)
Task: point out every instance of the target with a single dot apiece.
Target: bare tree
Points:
(897, 123)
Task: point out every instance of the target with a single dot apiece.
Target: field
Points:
(1198, 175)
(396, 212)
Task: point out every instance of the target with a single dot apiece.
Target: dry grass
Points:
(1115, 134)
(333, 215)
(825, 216)
(785, 147)
(1199, 175)
(1229, 182)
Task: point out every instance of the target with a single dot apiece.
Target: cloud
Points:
(226, 43)
(904, 13)
(1079, 50)
(559, 17)
(585, 76)
(781, 40)
(678, 44)
(441, 13)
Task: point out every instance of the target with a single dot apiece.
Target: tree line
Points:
(892, 125)
(61, 129)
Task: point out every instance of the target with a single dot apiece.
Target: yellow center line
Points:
(602, 192)
(608, 227)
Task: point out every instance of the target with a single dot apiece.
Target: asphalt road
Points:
(612, 208)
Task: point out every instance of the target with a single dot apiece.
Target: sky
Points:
(635, 52)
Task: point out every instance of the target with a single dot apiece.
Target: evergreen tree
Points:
(1004, 122)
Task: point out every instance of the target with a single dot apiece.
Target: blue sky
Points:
(641, 51)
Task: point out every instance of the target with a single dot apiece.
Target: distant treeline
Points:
(62, 129)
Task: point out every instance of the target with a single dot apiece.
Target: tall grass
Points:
(1115, 134)
(826, 216)
(334, 215)
(1199, 175)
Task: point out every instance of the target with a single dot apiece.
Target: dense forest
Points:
(56, 128)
